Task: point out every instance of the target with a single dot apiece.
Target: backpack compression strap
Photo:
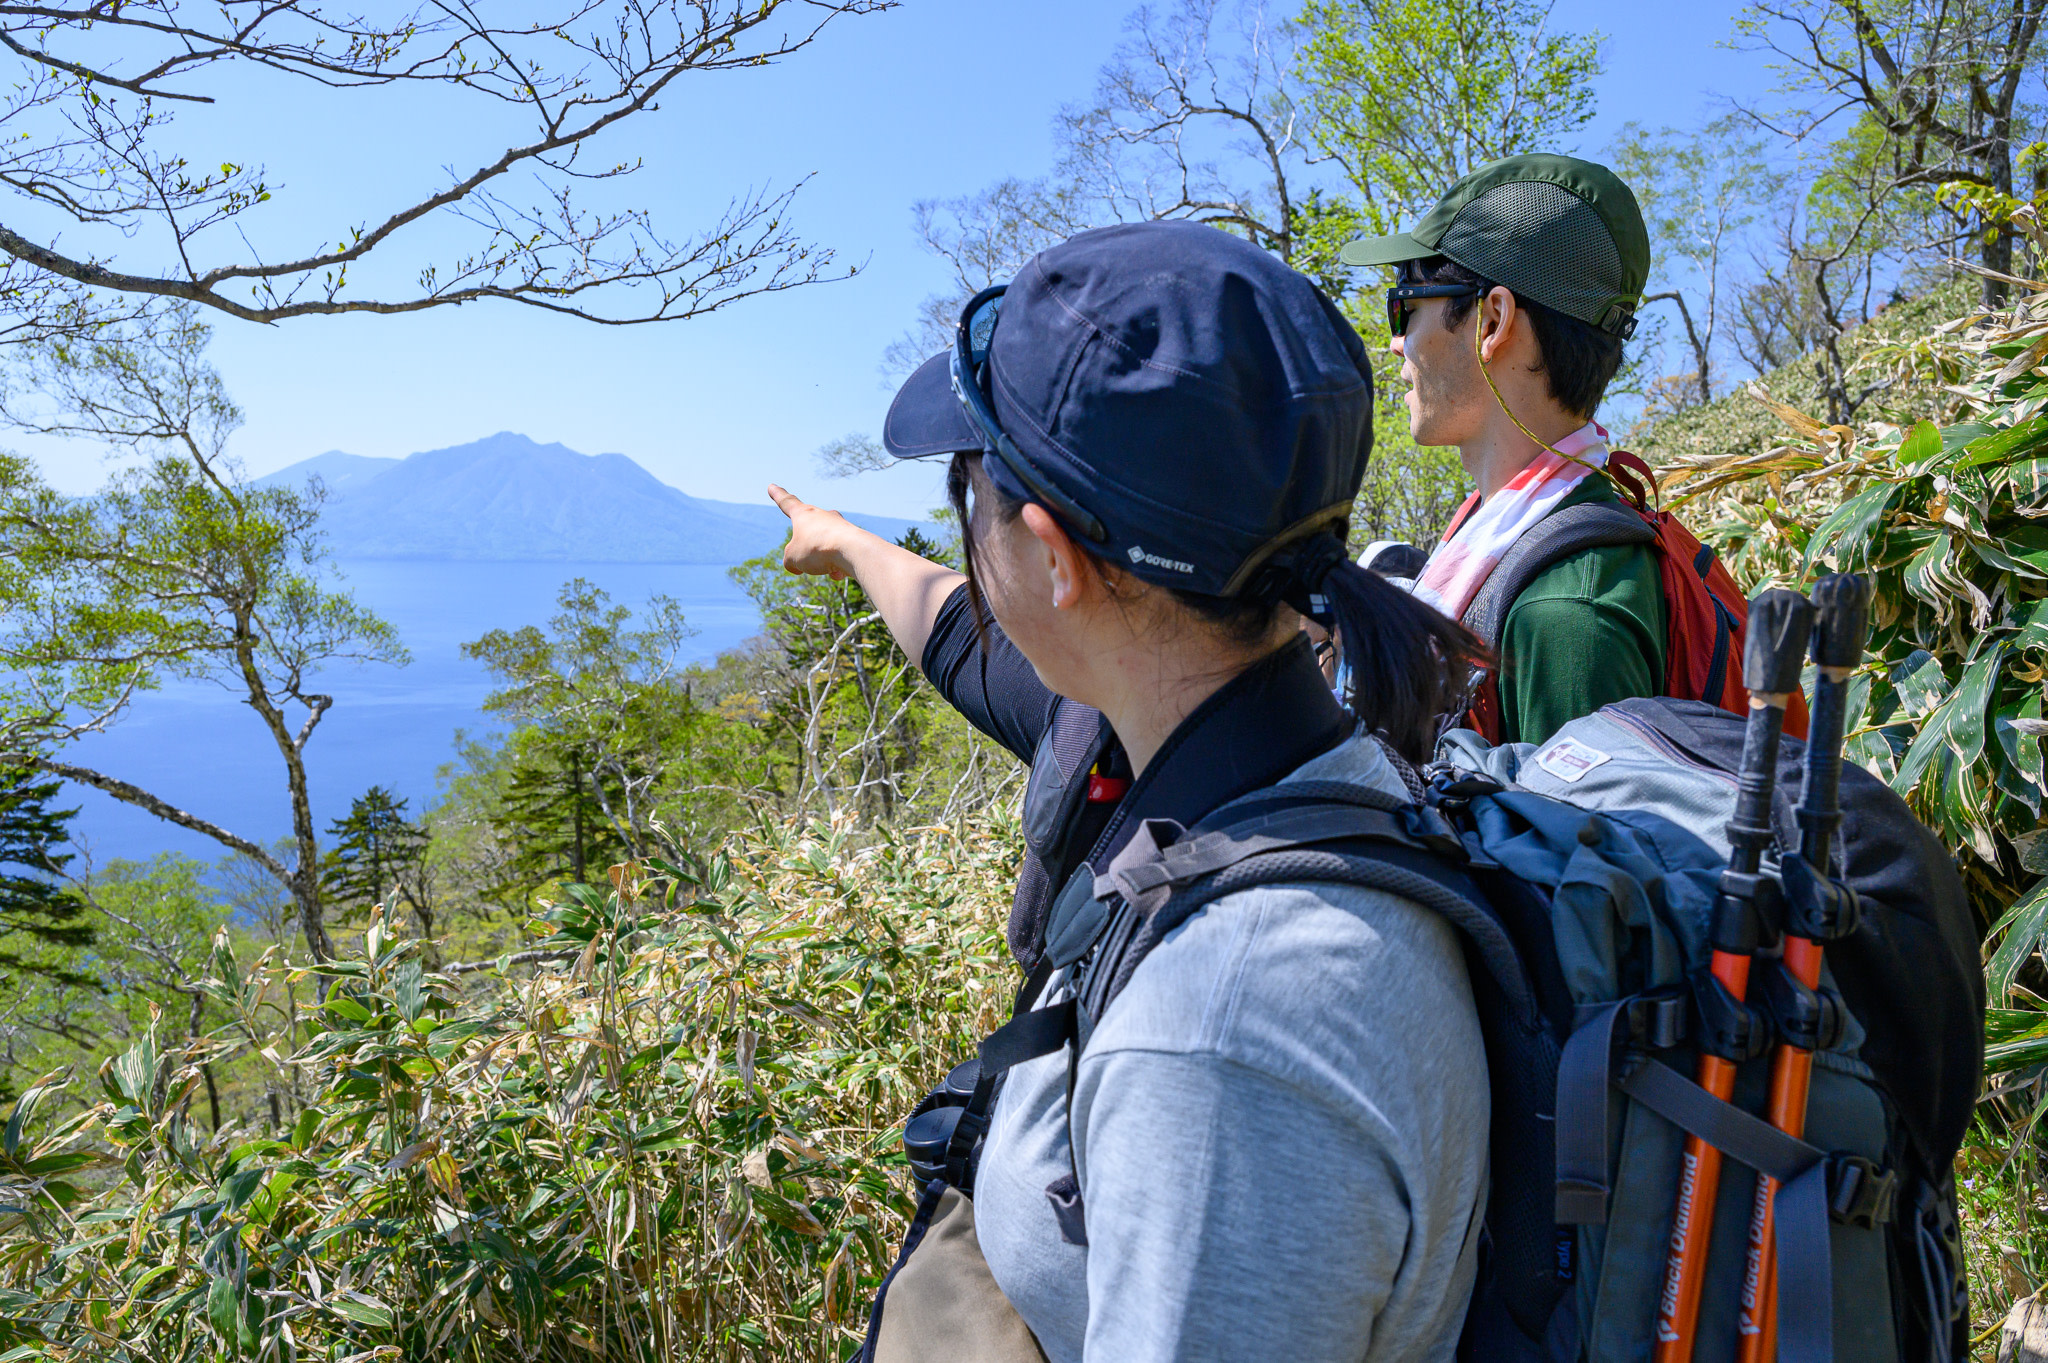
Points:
(1591, 1069)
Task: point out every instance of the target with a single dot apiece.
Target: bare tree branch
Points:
(97, 149)
(129, 793)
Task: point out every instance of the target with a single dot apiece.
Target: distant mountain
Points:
(340, 472)
(507, 498)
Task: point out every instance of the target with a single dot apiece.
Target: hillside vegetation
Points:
(678, 1140)
(1738, 423)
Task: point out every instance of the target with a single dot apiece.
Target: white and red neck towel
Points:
(1479, 536)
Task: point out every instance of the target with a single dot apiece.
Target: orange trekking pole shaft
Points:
(1806, 1021)
(1772, 653)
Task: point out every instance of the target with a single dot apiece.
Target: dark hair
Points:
(1579, 359)
(1410, 664)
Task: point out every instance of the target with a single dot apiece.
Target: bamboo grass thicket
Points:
(1943, 503)
(680, 1143)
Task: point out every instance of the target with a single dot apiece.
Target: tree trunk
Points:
(305, 882)
(1995, 250)
(576, 813)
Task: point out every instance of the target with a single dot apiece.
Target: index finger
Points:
(788, 502)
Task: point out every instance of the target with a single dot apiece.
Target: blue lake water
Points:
(197, 746)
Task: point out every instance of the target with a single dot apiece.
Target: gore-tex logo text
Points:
(1138, 555)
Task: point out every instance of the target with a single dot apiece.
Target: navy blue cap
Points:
(1202, 400)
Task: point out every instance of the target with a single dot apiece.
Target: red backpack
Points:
(1705, 613)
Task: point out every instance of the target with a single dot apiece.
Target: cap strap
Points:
(1332, 517)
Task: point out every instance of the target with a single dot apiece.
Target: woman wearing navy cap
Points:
(1274, 1143)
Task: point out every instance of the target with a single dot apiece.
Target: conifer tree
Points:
(37, 911)
(379, 857)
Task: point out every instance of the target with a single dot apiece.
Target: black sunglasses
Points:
(970, 354)
(1401, 295)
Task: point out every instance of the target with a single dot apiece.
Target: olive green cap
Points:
(1564, 232)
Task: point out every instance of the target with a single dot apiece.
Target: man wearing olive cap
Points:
(1511, 302)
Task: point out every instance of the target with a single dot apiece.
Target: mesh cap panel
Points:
(1577, 271)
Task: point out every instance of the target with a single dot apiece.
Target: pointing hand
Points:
(816, 536)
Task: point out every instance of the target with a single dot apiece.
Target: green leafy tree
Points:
(378, 856)
(1403, 97)
(553, 817)
(1408, 95)
(607, 712)
(153, 925)
(1297, 134)
(848, 709)
(179, 568)
(1939, 92)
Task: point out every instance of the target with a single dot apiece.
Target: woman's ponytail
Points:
(1410, 665)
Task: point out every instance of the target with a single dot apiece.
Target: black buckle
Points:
(1820, 909)
(1453, 787)
(1860, 1193)
(1653, 1021)
(1428, 828)
(1810, 1019)
(1728, 1027)
(1657, 1022)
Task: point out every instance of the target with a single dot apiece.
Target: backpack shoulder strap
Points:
(1297, 832)
(1558, 536)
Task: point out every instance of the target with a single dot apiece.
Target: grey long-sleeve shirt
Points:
(1280, 1129)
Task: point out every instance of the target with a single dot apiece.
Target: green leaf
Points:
(411, 997)
(2014, 1038)
(24, 1108)
(2022, 925)
(131, 1076)
(347, 1007)
(1920, 683)
(2021, 749)
(1923, 575)
(1847, 530)
(363, 1310)
(1922, 442)
(237, 1188)
(224, 1314)
(2002, 445)
(1966, 704)
(1998, 558)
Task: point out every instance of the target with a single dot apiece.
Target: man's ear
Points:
(1498, 318)
(1064, 563)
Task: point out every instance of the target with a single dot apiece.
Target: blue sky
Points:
(934, 99)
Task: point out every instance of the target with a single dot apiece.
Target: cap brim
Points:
(926, 419)
(1384, 250)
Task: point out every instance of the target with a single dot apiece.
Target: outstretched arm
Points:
(907, 589)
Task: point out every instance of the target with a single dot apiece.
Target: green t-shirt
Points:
(1588, 631)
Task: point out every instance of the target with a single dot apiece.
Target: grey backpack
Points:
(1581, 876)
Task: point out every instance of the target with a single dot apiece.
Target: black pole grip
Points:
(1775, 648)
(1841, 625)
(1841, 603)
(1771, 658)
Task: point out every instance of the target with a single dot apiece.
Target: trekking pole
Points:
(1841, 624)
(1772, 654)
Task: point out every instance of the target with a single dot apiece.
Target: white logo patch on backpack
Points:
(1568, 759)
